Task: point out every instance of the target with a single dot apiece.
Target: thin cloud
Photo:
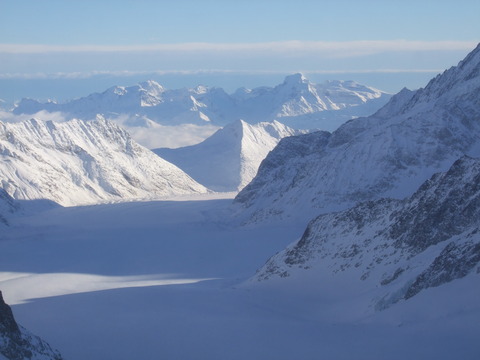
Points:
(127, 73)
(332, 49)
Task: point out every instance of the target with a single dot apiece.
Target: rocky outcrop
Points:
(395, 248)
(16, 343)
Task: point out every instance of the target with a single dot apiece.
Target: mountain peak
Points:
(293, 79)
(93, 160)
(151, 86)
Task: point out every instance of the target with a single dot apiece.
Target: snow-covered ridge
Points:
(392, 249)
(387, 154)
(81, 162)
(296, 101)
(229, 159)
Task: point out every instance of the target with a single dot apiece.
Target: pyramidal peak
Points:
(243, 145)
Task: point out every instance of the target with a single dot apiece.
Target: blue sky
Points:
(65, 49)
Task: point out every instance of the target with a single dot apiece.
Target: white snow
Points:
(97, 289)
(388, 154)
(296, 102)
(229, 159)
(168, 279)
(80, 162)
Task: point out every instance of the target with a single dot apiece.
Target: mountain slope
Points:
(387, 154)
(8, 206)
(297, 101)
(229, 159)
(80, 162)
(392, 250)
(16, 343)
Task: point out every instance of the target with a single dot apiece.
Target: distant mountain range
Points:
(388, 154)
(296, 102)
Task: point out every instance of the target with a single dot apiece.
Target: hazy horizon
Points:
(65, 50)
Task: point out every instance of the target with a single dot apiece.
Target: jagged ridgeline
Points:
(296, 102)
(388, 154)
(80, 162)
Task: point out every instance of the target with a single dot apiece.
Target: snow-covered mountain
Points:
(302, 104)
(80, 162)
(16, 343)
(388, 154)
(296, 101)
(392, 250)
(229, 159)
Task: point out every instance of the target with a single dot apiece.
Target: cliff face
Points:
(16, 343)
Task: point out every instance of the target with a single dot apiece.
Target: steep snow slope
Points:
(16, 343)
(297, 101)
(80, 162)
(391, 249)
(229, 159)
(8, 206)
(387, 154)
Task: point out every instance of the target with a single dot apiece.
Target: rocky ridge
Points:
(392, 249)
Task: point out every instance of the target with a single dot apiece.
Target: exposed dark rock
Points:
(16, 343)
(426, 240)
(454, 262)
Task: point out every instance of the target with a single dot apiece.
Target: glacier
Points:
(388, 266)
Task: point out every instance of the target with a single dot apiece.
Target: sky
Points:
(66, 49)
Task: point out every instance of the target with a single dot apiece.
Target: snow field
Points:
(167, 280)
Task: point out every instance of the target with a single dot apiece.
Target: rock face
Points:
(393, 249)
(16, 343)
(388, 154)
(81, 162)
(229, 159)
(296, 102)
